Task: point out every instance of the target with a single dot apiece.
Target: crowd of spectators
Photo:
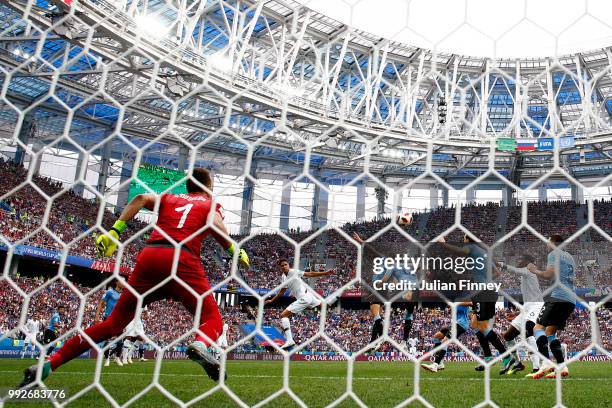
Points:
(166, 322)
(72, 220)
(68, 218)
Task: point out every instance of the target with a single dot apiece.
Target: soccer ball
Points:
(404, 219)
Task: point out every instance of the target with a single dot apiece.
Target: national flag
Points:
(526, 145)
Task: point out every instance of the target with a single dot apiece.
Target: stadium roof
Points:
(485, 28)
(282, 84)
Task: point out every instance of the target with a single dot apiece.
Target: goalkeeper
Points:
(169, 266)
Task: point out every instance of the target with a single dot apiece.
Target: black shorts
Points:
(484, 310)
(372, 299)
(49, 336)
(447, 331)
(555, 312)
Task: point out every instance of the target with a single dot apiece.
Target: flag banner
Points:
(526, 145)
(546, 143)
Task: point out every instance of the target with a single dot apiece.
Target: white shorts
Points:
(530, 313)
(308, 301)
(413, 350)
(135, 328)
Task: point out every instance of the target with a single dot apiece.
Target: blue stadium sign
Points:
(567, 142)
(546, 143)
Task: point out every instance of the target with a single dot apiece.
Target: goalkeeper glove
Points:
(107, 243)
(243, 257)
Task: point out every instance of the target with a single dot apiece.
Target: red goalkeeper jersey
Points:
(183, 215)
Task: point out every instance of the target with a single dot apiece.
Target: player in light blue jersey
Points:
(483, 301)
(557, 308)
(53, 328)
(105, 307)
(444, 335)
(397, 275)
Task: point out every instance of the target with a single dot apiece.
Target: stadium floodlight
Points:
(21, 53)
(151, 25)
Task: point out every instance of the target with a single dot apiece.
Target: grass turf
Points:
(317, 384)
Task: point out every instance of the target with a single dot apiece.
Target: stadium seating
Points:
(71, 220)
(349, 328)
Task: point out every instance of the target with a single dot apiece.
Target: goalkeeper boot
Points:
(441, 366)
(198, 352)
(29, 374)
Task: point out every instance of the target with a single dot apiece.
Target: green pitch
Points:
(317, 384)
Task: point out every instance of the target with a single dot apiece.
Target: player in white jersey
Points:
(533, 300)
(134, 332)
(222, 340)
(31, 330)
(305, 298)
(412, 342)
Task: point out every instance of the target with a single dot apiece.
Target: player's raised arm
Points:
(318, 274)
(280, 293)
(547, 273)
(107, 243)
(518, 271)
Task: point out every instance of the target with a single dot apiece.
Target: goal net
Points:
(331, 147)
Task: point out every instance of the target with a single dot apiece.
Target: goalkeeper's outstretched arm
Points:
(107, 243)
(220, 234)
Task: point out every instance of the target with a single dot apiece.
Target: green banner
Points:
(157, 178)
(506, 144)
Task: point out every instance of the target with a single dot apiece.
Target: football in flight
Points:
(404, 219)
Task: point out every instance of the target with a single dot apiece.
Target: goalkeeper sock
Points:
(286, 324)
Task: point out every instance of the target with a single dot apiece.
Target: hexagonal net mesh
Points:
(336, 161)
